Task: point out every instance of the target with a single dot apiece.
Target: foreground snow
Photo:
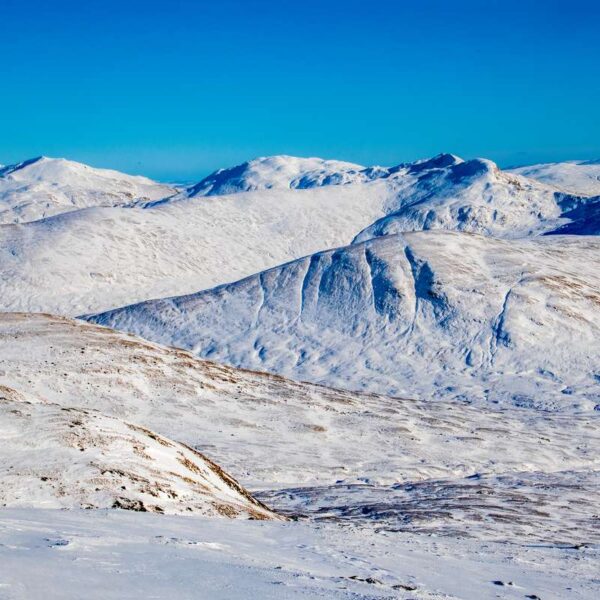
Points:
(105, 555)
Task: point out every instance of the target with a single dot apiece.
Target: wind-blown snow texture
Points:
(110, 556)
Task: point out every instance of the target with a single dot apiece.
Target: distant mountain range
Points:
(404, 360)
(93, 259)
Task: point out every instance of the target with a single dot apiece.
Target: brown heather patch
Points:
(157, 438)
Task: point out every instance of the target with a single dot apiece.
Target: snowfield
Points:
(99, 258)
(113, 555)
(42, 187)
(399, 365)
(574, 177)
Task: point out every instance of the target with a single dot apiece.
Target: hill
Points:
(436, 314)
(42, 187)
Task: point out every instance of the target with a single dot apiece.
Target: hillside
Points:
(474, 196)
(373, 479)
(98, 258)
(94, 259)
(319, 436)
(42, 187)
(55, 456)
(574, 177)
(436, 314)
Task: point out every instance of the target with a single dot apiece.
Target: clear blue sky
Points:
(175, 89)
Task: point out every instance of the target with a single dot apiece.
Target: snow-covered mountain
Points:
(95, 259)
(98, 258)
(437, 314)
(42, 187)
(456, 480)
(444, 192)
(574, 177)
(283, 172)
(473, 196)
(55, 456)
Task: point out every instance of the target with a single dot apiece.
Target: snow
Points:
(281, 172)
(345, 451)
(118, 554)
(98, 258)
(42, 187)
(443, 497)
(433, 314)
(473, 196)
(474, 474)
(574, 177)
(55, 456)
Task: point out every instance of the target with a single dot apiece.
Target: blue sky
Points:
(176, 89)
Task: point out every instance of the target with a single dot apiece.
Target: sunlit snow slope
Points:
(437, 314)
(575, 177)
(42, 187)
(442, 462)
(54, 456)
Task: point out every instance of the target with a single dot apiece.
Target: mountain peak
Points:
(42, 186)
(278, 172)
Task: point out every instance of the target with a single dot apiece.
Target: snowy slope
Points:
(437, 314)
(282, 172)
(473, 196)
(574, 177)
(270, 432)
(63, 457)
(98, 258)
(42, 187)
(67, 555)
(443, 192)
(475, 474)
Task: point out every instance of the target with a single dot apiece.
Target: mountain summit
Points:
(42, 187)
